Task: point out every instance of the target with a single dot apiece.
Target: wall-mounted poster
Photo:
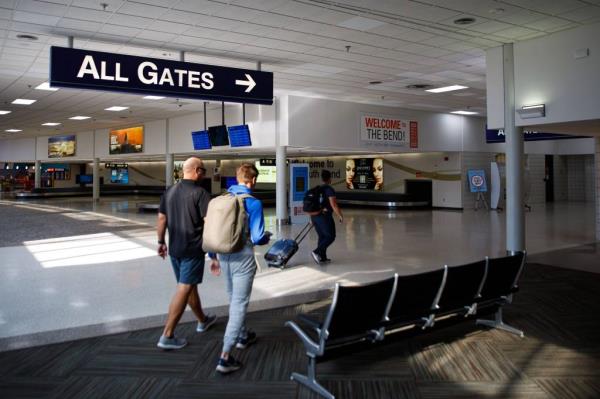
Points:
(127, 141)
(364, 174)
(61, 146)
(382, 130)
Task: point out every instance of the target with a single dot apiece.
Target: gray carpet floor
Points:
(558, 358)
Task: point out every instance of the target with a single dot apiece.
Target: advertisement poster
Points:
(364, 174)
(126, 141)
(388, 131)
(477, 182)
(267, 171)
(299, 185)
(61, 146)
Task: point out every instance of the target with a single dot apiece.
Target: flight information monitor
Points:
(239, 136)
(201, 140)
(218, 135)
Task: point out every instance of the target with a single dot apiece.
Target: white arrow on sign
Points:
(250, 83)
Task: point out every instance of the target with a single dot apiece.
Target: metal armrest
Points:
(312, 349)
(311, 322)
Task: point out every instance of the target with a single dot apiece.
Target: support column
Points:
(169, 170)
(38, 174)
(281, 209)
(597, 179)
(169, 157)
(515, 212)
(96, 180)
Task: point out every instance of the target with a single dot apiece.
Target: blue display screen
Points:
(119, 176)
(85, 179)
(228, 181)
(218, 135)
(201, 140)
(239, 136)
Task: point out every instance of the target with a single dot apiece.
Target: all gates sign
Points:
(97, 70)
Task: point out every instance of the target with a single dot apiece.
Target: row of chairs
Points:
(371, 311)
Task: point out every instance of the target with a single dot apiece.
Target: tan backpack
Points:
(225, 224)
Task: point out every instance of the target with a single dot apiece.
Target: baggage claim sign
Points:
(388, 131)
(83, 69)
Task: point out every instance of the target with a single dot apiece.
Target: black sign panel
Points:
(97, 70)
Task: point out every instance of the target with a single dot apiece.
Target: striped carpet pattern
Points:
(558, 358)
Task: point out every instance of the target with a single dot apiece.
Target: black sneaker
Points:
(243, 343)
(228, 366)
(326, 260)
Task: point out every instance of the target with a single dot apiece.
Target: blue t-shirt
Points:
(256, 219)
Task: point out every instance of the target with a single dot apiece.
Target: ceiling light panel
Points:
(447, 88)
(13, 130)
(464, 112)
(46, 86)
(51, 124)
(5, 112)
(79, 117)
(23, 101)
(360, 23)
(116, 108)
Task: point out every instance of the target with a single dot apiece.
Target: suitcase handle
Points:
(304, 232)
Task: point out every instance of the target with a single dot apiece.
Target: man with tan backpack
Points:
(234, 224)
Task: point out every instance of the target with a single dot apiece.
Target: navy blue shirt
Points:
(328, 192)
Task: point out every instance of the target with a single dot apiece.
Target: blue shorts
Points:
(188, 270)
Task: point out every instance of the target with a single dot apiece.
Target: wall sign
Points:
(61, 146)
(364, 174)
(388, 131)
(477, 182)
(498, 136)
(299, 185)
(97, 70)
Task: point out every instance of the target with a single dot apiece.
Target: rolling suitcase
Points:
(283, 250)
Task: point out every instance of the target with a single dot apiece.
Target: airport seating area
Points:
(372, 311)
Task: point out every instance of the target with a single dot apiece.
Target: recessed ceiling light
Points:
(464, 21)
(498, 10)
(79, 117)
(447, 88)
(23, 101)
(361, 23)
(46, 86)
(152, 98)
(116, 108)
(13, 130)
(5, 112)
(27, 37)
(51, 124)
(464, 112)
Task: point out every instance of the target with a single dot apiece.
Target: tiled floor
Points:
(70, 269)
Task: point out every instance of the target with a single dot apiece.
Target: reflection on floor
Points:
(71, 269)
(558, 358)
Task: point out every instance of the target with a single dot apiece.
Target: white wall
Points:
(546, 72)
(18, 150)
(83, 148)
(324, 123)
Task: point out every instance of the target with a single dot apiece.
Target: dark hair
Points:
(325, 175)
(246, 172)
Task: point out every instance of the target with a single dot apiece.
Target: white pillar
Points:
(515, 212)
(38, 174)
(96, 180)
(169, 157)
(169, 170)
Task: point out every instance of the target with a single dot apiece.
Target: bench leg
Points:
(310, 381)
(499, 324)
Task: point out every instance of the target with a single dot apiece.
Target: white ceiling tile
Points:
(120, 30)
(200, 6)
(87, 15)
(237, 13)
(488, 27)
(68, 23)
(41, 7)
(264, 5)
(142, 10)
(157, 36)
(582, 14)
(548, 23)
(515, 33)
(33, 18)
